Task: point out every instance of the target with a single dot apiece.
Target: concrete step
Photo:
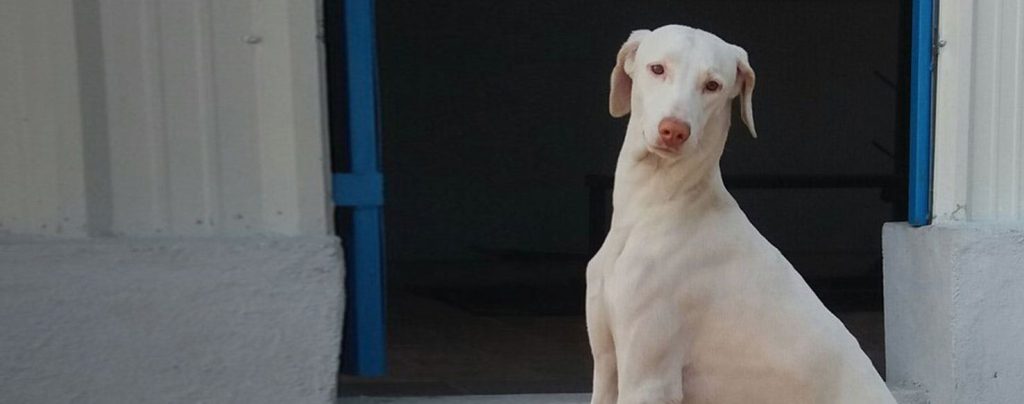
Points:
(903, 396)
(495, 399)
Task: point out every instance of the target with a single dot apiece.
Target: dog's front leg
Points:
(602, 345)
(603, 349)
(651, 357)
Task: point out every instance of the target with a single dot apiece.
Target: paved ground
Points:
(504, 329)
(502, 399)
(902, 396)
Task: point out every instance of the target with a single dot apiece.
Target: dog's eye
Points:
(657, 70)
(712, 86)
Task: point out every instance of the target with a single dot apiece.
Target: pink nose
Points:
(673, 132)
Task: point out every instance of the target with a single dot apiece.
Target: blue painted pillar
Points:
(364, 351)
(922, 84)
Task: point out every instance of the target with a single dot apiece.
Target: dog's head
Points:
(675, 78)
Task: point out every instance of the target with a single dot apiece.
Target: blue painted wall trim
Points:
(363, 190)
(922, 68)
(364, 351)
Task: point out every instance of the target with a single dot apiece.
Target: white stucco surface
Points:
(953, 311)
(247, 320)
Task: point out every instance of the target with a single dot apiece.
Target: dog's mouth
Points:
(664, 152)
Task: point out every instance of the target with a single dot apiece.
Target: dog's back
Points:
(764, 330)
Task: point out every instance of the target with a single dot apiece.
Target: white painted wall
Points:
(979, 136)
(161, 117)
(164, 232)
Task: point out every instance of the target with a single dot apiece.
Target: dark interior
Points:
(498, 151)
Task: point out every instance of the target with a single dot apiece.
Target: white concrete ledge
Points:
(902, 396)
(492, 399)
(245, 320)
(909, 396)
(953, 311)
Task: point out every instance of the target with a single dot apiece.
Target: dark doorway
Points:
(498, 150)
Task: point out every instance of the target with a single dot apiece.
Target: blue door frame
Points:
(922, 85)
(362, 190)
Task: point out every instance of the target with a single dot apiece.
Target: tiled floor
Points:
(445, 343)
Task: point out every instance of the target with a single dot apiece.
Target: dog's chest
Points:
(649, 265)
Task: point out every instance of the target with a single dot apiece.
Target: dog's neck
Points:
(688, 185)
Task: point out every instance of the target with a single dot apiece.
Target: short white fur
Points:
(686, 301)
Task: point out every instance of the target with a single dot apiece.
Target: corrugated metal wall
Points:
(161, 117)
(979, 112)
(995, 185)
(41, 151)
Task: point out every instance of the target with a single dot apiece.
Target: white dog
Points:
(686, 301)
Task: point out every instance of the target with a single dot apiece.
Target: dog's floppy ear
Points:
(622, 83)
(745, 77)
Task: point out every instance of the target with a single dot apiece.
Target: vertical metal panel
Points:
(41, 163)
(236, 133)
(13, 119)
(274, 115)
(979, 108)
(952, 111)
(982, 184)
(996, 133)
(1017, 114)
(921, 83)
(211, 118)
(132, 49)
(93, 103)
(186, 73)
